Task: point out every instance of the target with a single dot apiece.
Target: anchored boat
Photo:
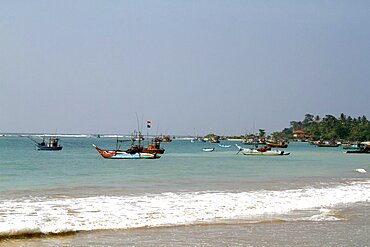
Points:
(128, 154)
(277, 144)
(224, 146)
(136, 151)
(266, 151)
(363, 149)
(327, 144)
(49, 145)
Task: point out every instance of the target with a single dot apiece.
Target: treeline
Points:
(331, 128)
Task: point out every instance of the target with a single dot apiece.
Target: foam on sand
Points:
(361, 170)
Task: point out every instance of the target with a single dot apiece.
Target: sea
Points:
(315, 196)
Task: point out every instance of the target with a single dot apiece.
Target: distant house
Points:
(301, 134)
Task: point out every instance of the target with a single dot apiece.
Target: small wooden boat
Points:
(363, 150)
(354, 146)
(277, 144)
(166, 139)
(208, 149)
(224, 146)
(213, 140)
(50, 145)
(327, 144)
(199, 139)
(266, 151)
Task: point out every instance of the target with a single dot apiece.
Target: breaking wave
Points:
(41, 215)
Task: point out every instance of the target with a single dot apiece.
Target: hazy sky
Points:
(189, 66)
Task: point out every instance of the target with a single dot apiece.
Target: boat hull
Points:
(224, 146)
(261, 152)
(118, 154)
(365, 150)
(267, 153)
(277, 145)
(327, 145)
(46, 148)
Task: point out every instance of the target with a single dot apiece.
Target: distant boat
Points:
(277, 144)
(357, 146)
(195, 139)
(266, 151)
(166, 139)
(50, 145)
(208, 149)
(364, 149)
(327, 144)
(224, 146)
(214, 140)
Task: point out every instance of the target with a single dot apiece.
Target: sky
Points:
(192, 67)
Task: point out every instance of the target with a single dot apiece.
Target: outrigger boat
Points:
(50, 145)
(134, 152)
(265, 151)
(128, 154)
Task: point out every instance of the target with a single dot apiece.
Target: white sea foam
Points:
(45, 215)
(324, 215)
(66, 135)
(361, 170)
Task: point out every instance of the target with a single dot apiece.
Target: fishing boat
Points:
(214, 140)
(50, 145)
(199, 139)
(326, 144)
(128, 154)
(135, 151)
(357, 146)
(277, 144)
(266, 151)
(166, 139)
(208, 149)
(364, 149)
(224, 146)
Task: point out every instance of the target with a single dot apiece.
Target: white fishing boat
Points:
(260, 151)
(224, 146)
(208, 149)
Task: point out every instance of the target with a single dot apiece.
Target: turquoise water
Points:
(184, 166)
(77, 190)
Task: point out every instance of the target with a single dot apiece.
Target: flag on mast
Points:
(148, 124)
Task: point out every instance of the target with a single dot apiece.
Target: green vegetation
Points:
(212, 136)
(331, 128)
(235, 137)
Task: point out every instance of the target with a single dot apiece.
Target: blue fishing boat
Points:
(50, 145)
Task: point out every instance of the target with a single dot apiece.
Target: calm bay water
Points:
(312, 197)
